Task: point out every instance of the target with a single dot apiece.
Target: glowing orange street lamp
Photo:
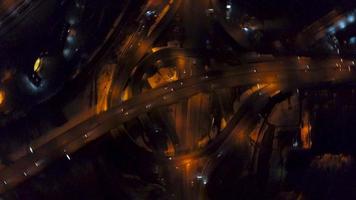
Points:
(2, 97)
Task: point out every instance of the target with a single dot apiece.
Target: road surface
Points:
(284, 72)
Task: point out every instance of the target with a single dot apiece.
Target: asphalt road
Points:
(192, 180)
(319, 29)
(285, 72)
(235, 32)
(135, 50)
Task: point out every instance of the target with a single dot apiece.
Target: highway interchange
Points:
(267, 75)
(27, 164)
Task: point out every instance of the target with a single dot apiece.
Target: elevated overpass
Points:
(286, 73)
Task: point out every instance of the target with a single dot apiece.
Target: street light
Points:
(2, 97)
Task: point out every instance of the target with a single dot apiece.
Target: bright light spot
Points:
(31, 150)
(5, 182)
(352, 40)
(2, 97)
(205, 182)
(223, 123)
(25, 174)
(332, 30)
(342, 24)
(66, 52)
(245, 29)
(37, 65)
(228, 6)
(199, 177)
(351, 18)
(37, 164)
(70, 39)
(154, 49)
(305, 131)
(170, 158)
(295, 144)
(68, 157)
(149, 13)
